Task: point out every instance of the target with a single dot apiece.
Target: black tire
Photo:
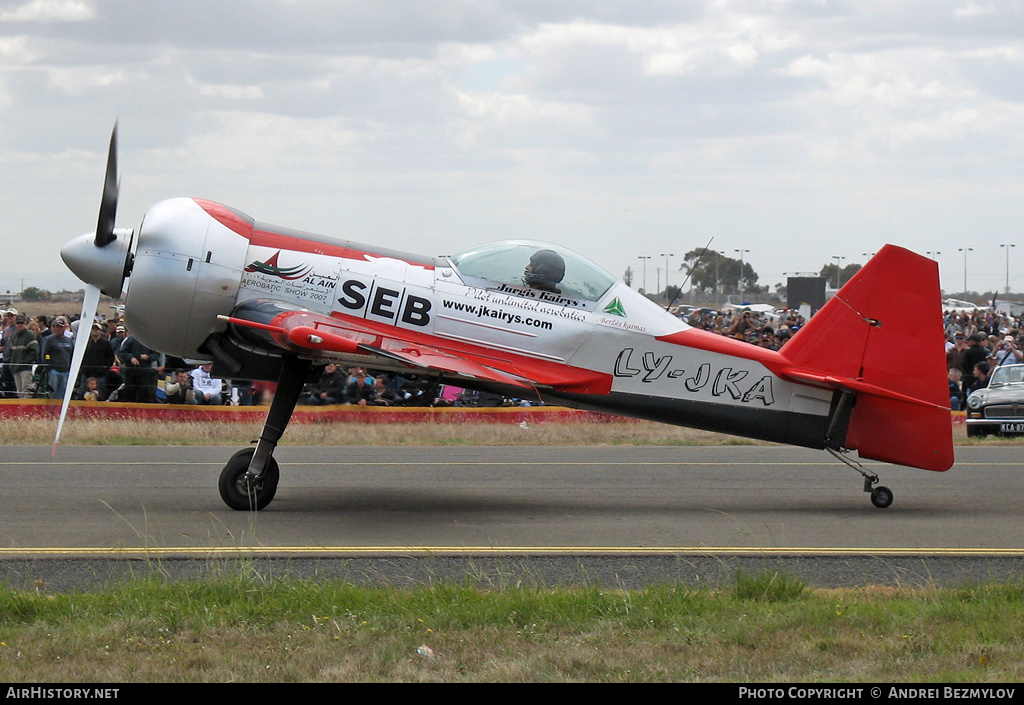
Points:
(881, 497)
(237, 493)
(975, 432)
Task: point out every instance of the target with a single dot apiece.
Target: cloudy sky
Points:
(795, 131)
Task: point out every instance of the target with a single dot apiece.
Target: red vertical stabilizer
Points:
(881, 338)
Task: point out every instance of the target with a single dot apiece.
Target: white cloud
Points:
(50, 11)
(230, 92)
(894, 80)
(80, 80)
(974, 9)
(721, 42)
(503, 109)
(253, 142)
(16, 51)
(609, 127)
(893, 98)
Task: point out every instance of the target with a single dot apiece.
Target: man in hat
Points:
(139, 365)
(1006, 353)
(330, 389)
(24, 346)
(7, 385)
(56, 355)
(118, 338)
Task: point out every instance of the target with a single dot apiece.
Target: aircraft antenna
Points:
(689, 273)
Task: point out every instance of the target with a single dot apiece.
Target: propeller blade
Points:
(108, 205)
(89, 305)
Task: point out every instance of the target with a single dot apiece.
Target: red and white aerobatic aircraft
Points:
(207, 282)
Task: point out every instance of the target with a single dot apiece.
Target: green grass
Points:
(769, 586)
(767, 627)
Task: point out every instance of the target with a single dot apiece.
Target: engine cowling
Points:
(186, 272)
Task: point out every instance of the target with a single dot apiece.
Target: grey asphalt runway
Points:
(611, 513)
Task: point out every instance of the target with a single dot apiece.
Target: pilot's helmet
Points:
(546, 268)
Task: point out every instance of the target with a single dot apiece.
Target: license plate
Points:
(1012, 427)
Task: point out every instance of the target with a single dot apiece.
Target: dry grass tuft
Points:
(119, 432)
(434, 431)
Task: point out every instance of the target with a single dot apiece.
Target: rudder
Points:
(881, 338)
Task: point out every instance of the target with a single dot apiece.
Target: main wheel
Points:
(881, 497)
(239, 493)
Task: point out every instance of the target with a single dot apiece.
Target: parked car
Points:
(999, 407)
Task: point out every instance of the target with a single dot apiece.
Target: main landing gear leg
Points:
(881, 496)
(249, 480)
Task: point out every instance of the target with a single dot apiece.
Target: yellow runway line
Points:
(495, 551)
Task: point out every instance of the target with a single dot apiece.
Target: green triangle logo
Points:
(615, 308)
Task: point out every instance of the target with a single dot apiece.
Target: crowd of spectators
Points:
(766, 329)
(116, 366)
(976, 343)
(36, 357)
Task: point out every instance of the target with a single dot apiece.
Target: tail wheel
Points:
(242, 493)
(881, 497)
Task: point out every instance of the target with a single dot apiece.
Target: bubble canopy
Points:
(504, 263)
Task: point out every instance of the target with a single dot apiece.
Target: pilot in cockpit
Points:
(545, 271)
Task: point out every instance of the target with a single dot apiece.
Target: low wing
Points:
(312, 334)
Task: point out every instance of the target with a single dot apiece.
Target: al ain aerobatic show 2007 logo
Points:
(271, 268)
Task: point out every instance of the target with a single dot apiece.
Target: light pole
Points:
(718, 258)
(1007, 268)
(666, 255)
(839, 271)
(644, 260)
(965, 250)
(739, 279)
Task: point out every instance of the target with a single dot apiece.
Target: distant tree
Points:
(709, 268)
(828, 273)
(672, 294)
(32, 293)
